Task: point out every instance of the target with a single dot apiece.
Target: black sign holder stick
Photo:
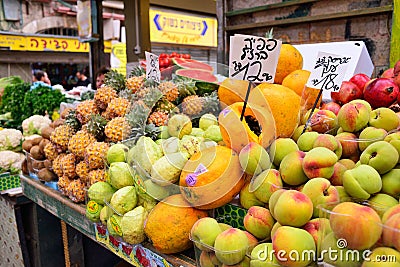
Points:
(312, 111)
(245, 101)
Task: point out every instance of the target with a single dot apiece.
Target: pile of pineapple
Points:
(124, 108)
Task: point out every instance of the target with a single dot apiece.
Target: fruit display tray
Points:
(8, 181)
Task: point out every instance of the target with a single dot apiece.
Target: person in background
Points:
(100, 76)
(83, 80)
(40, 78)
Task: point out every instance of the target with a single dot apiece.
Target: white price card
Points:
(328, 72)
(152, 67)
(253, 58)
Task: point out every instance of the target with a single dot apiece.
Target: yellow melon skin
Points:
(284, 104)
(169, 223)
(221, 181)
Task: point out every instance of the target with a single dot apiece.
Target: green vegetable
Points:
(13, 101)
(41, 100)
(10, 80)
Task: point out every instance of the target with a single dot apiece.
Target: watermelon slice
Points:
(192, 64)
(197, 74)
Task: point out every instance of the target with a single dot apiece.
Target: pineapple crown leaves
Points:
(211, 104)
(115, 80)
(72, 121)
(270, 34)
(186, 86)
(96, 126)
(136, 72)
(151, 96)
(137, 115)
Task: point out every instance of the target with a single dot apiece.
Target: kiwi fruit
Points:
(27, 145)
(42, 144)
(24, 167)
(38, 165)
(36, 140)
(46, 175)
(35, 153)
(48, 164)
(46, 132)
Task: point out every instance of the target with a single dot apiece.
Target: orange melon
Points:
(211, 178)
(283, 103)
(169, 223)
(290, 59)
(232, 90)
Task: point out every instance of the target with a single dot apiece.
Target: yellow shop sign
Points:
(182, 28)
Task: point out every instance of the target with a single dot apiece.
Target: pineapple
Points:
(192, 105)
(65, 112)
(115, 80)
(98, 175)
(68, 165)
(103, 96)
(85, 109)
(117, 108)
(95, 154)
(72, 120)
(117, 129)
(63, 183)
(76, 191)
(158, 118)
(96, 126)
(169, 90)
(50, 151)
(82, 170)
(135, 83)
(56, 164)
(61, 135)
(79, 142)
(166, 106)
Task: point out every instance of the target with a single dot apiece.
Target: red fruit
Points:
(381, 92)
(332, 106)
(348, 91)
(396, 73)
(389, 73)
(360, 79)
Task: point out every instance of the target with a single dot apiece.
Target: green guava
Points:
(124, 199)
(163, 132)
(170, 145)
(167, 169)
(114, 225)
(105, 213)
(120, 175)
(189, 144)
(156, 191)
(197, 132)
(145, 153)
(132, 225)
(100, 192)
(207, 120)
(93, 210)
(213, 133)
(117, 153)
(179, 125)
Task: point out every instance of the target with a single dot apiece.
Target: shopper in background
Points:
(100, 76)
(83, 80)
(40, 78)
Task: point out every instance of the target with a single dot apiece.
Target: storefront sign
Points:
(39, 43)
(118, 57)
(182, 28)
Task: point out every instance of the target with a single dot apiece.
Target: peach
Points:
(390, 212)
(231, 245)
(353, 116)
(253, 241)
(299, 130)
(391, 232)
(362, 181)
(291, 168)
(330, 142)
(244, 263)
(263, 256)
(204, 232)
(319, 162)
(343, 196)
(306, 141)
(337, 176)
(370, 135)
(382, 202)
(359, 225)
(318, 228)
(224, 226)
(266, 183)
(320, 191)
(324, 121)
(248, 199)
(208, 259)
(391, 183)
(274, 228)
(281, 147)
(382, 256)
(281, 207)
(348, 163)
(349, 144)
(293, 246)
(258, 221)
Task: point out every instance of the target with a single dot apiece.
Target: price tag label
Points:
(328, 72)
(253, 58)
(152, 67)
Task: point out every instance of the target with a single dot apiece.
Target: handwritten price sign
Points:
(253, 58)
(328, 72)
(152, 67)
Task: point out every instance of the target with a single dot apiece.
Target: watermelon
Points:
(192, 64)
(197, 74)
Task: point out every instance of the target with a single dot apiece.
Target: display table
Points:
(74, 215)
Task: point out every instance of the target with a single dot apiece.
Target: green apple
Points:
(282, 147)
(207, 120)
(319, 162)
(391, 183)
(320, 191)
(204, 232)
(370, 135)
(384, 118)
(353, 117)
(362, 181)
(291, 168)
(306, 141)
(381, 155)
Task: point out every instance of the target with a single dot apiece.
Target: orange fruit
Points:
(296, 80)
(232, 90)
(284, 104)
(290, 59)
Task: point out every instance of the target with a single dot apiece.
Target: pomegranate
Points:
(360, 79)
(348, 91)
(332, 106)
(389, 73)
(396, 73)
(381, 92)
